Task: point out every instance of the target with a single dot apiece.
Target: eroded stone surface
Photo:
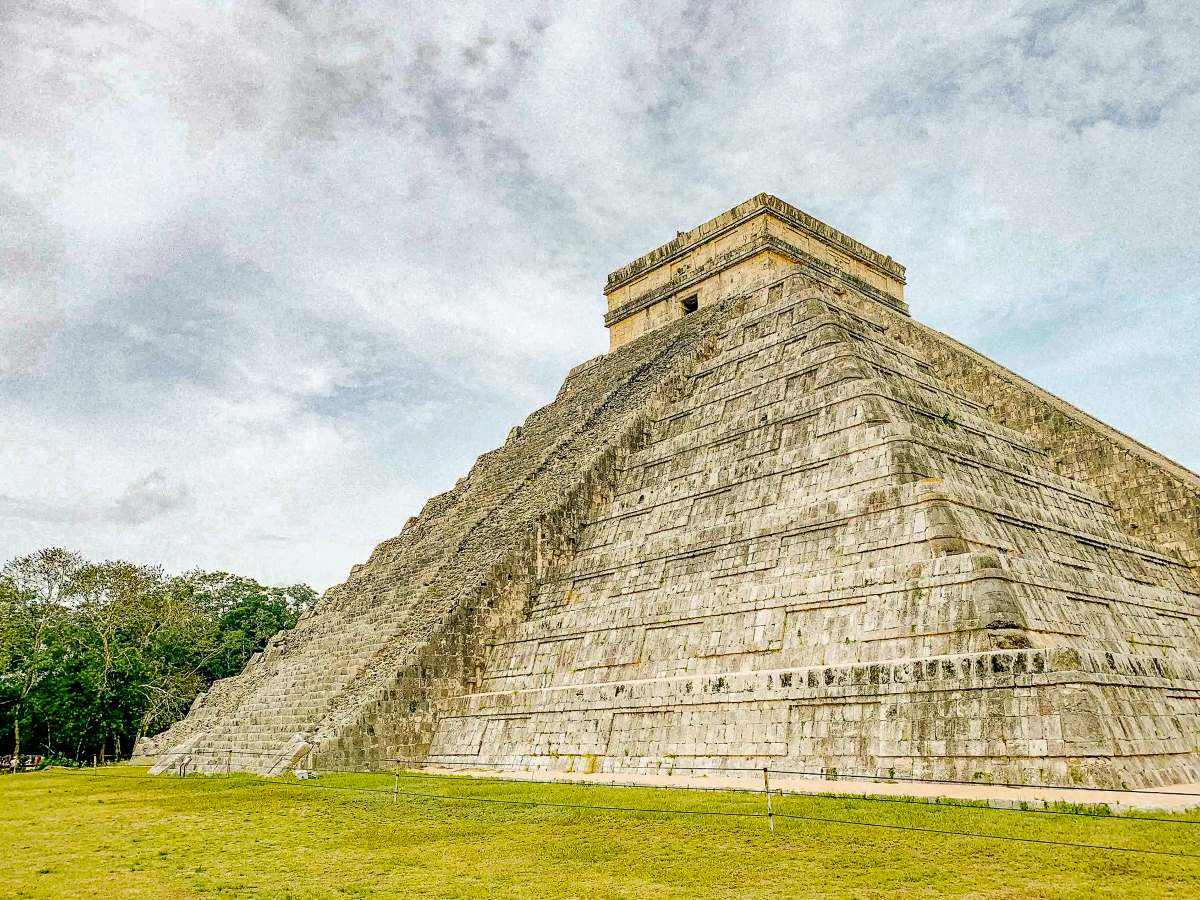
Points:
(793, 528)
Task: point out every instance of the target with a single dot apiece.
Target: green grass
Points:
(122, 834)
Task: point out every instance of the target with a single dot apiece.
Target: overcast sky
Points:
(271, 274)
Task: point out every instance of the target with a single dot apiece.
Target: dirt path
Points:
(1174, 798)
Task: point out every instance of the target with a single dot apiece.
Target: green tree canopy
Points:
(94, 655)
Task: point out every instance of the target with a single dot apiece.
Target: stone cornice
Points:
(739, 215)
(756, 244)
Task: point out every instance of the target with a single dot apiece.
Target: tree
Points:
(176, 637)
(32, 588)
(247, 615)
(108, 598)
(95, 655)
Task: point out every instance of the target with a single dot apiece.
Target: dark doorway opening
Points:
(689, 304)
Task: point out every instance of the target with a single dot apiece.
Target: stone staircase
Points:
(484, 536)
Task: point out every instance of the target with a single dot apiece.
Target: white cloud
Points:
(272, 273)
(147, 499)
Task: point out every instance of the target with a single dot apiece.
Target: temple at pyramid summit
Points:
(780, 523)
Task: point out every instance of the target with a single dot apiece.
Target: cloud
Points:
(303, 261)
(144, 500)
(30, 508)
(147, 499)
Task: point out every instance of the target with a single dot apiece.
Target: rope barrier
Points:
(395, 791)
(841, 776)
(940, 802)
(749, 815)
(934, 802)
(677, 767)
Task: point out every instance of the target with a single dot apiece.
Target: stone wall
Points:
(827, 557)
(732, 251)
(1155, 497)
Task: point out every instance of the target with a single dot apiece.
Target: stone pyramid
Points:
(780, 523)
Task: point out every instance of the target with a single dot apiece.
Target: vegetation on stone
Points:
(94, 655)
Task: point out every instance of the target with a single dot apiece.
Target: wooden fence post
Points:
(767, 790)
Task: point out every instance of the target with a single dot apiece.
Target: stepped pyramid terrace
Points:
(781, 523)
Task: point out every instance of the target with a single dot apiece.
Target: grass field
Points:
(121, 833)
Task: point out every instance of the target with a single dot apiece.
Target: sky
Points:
(273, 273)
